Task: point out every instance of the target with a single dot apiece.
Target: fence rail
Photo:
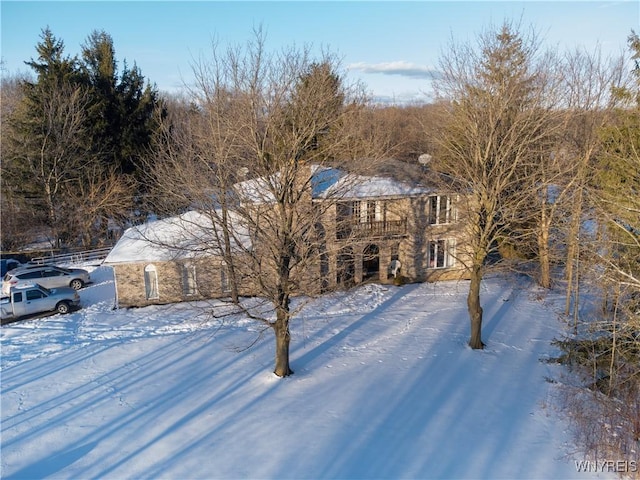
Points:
(88, 256)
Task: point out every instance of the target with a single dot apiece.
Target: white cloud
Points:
(401, 68)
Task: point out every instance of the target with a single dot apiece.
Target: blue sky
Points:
(392, 46)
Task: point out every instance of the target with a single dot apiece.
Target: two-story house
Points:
(376, 228)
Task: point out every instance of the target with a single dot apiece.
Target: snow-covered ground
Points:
(384, 387)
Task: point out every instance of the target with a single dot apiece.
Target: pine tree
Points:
(47, 138)
(75, 138)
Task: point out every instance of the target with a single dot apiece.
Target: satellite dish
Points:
(395, 267)
(424, 159)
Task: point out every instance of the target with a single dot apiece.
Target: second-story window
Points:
(356, 210)
(368, 211)
(441, 210)
(366, 217)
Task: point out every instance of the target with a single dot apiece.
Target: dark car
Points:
(7, 264)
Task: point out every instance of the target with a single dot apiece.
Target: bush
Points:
(604, 407)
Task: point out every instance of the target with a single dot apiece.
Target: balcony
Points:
(375, 229)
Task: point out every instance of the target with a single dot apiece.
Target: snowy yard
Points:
(384, 387)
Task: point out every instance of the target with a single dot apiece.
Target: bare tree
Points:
(48, 153)
(406, 125)
(605, 348)
(248, 153)
(14, 207)
(48, 167)
(497, 117)
(590, 81)
(100, 198)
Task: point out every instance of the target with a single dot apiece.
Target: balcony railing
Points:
(376, 229)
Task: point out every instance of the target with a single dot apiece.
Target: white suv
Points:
(48, 276)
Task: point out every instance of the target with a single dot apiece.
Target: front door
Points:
(371, 263)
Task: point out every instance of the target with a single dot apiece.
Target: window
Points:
(441, 253)
(30, 275)
(189, 279)
(51, 273)
(35, 294)
(360, 217)
(151, 282)
(17, 297)
(356, 211)
(369, 211)
(441, 210)
(225, 285)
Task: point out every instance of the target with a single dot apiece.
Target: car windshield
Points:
(45, 290)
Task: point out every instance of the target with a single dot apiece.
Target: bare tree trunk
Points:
(572, 246)
(283, 338)
(543, 249)
(228, 255)
(51, 217)
(475, 309)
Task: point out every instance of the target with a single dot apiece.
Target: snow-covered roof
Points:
(332, 183)
(327, 182)
(189, 235)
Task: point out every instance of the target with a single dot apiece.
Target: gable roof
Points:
(187, 236)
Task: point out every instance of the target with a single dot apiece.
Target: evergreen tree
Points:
(617, 189)
(99, 69)
(47, 142)
(122, 106)
(137, 103)
(315, 104)
(74, 139)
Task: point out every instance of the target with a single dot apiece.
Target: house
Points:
(389, 224)
(374, 228)
(171, 260)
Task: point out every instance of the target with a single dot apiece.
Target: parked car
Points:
(32, 299)
(46, 275)
(7, 264)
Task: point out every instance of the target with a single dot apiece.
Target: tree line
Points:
(543, 145)
(546, 147)
(73, 137)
